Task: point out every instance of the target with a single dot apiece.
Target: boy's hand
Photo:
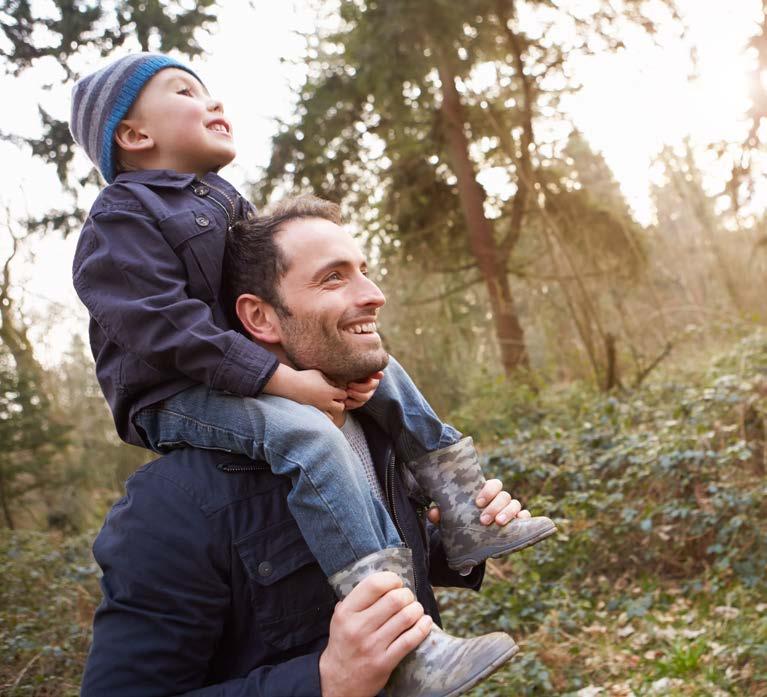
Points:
(307, 387)
(357, 393)
(497, 504)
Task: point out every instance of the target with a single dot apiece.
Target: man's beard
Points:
(309, 343)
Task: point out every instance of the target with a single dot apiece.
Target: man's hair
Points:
(254, 262)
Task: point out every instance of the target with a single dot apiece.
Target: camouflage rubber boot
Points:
(441, 665)
(453, 478)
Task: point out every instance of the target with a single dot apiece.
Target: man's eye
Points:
(186, 91)
(335, 276)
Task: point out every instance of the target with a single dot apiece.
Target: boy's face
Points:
(186, 125)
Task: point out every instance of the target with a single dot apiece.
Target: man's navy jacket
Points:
(210, 589)
(148, 268)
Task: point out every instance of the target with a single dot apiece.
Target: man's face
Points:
(187, 125)
(333, 304)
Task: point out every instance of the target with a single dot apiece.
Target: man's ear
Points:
(258, 318)
(130, 136)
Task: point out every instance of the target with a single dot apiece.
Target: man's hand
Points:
(307, 387)
(357, 393)
(371, 631)
(497, 504)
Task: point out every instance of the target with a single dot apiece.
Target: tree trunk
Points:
(13, 333)
(4, 503)
(490, 260)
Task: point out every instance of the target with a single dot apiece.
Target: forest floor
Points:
(655, 585)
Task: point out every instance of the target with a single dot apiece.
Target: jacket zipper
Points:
(229, 216)
(251, 467)
(389, 483)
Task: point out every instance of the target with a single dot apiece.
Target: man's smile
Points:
(361, 328)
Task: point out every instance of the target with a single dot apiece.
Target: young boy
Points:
(174, 370)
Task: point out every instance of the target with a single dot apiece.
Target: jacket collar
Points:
(168, 178)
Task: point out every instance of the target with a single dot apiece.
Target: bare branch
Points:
(450, 291)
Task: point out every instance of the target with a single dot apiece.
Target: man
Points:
(209, 587)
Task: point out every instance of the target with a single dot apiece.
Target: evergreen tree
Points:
(30, 439)
(408, 104)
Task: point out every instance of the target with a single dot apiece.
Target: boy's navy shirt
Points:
(148, 267)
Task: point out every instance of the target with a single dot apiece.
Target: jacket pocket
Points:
(198, 241)
(292, 599)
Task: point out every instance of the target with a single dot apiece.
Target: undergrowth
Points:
(655, 584)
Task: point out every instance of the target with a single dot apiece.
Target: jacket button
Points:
(265, 569)
(201, 190)
(202, 221)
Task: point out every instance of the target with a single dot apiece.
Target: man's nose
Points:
(370, 294)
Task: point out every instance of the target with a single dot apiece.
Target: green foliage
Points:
(47, 598)
(672, 475)
(654, 585)
(659, 496)
(29, 439)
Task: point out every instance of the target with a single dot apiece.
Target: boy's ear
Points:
(258, 318)
(131, 137)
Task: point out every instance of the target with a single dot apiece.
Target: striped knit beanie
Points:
(102, 99)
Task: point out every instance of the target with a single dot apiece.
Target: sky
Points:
(630, 105)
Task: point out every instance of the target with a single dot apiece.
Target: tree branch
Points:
(441, 296)
(639, 379)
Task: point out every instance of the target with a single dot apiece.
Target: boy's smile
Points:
(175, 124)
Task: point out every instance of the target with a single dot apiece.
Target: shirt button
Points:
(201, 190)
(265, 569)
(202, 221)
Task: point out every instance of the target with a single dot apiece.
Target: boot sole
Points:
(478, 556)
(484, 673)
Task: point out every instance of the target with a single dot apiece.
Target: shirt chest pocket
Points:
(292, 600)
(198, 241)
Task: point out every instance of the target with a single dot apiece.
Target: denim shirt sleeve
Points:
(165, 604)
(134, 287)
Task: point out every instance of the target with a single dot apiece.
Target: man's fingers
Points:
(409, 639)
(495, 507)
(370, 589)
(388, 606)
(508, 512)
(335, 408)
(489, 491)
(524, 515)
(434, 515)
(399, 622)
